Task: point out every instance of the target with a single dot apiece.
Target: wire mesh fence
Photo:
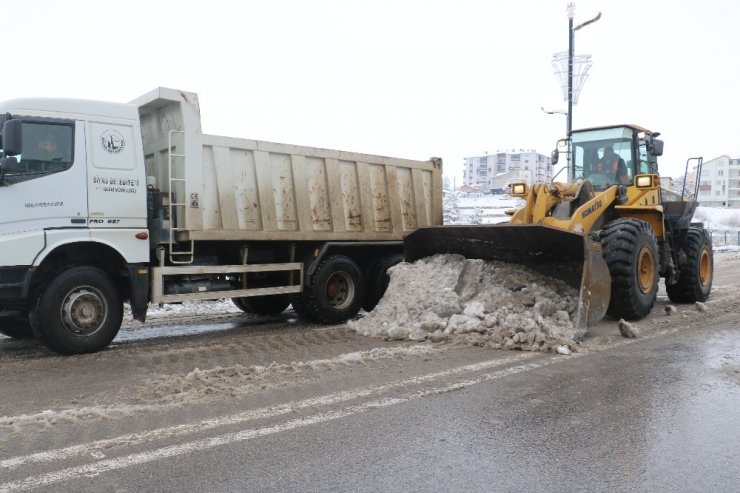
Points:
(725, 237)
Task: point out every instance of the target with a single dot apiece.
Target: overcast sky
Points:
(410, 79)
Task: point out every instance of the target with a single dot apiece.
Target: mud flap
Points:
(571, 257)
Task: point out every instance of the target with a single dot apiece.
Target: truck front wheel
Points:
(79, 312)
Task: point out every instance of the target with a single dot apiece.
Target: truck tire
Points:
(79, 312)
(695, 279)
(239, 303)
(377, 278)
(15, 325)
(631, 253)
(298, 303)
(263, 305)
(335, 291)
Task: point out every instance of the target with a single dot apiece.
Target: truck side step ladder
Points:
(177, 209)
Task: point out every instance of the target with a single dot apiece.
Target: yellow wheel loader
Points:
(611, 231)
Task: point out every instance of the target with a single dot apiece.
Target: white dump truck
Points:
(104, 203)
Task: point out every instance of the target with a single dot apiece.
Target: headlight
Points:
(644, 181)
(519, 189)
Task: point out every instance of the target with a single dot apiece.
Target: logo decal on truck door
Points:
(112, 141)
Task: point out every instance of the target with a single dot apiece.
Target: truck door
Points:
(45, 190)
(117, 188)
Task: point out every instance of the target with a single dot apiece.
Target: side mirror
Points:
(655, 147)
(12, 137)
(555, 156)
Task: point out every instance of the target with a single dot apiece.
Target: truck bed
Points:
(241, 189)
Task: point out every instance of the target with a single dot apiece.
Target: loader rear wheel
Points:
(15, 325)
(263, 305)
(80, 311)
(695, 280)
(631, 253)
(377, 279)
(335, 291)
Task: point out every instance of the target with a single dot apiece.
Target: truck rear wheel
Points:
(79, 312)
(263, 305)
(335, 291)
(298, 302)
(695, 280)
(376, 281)
(15, 325)
(631, 253)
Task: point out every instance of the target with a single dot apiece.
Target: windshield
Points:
(603, 156)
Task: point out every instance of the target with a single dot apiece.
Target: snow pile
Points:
(484, 303)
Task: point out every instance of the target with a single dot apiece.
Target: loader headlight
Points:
(519, 189)
(644, 181)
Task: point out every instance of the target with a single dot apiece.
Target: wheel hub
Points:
(705, 269)
(340, 290)
(83, 311)
(645, 269)
(332, 290)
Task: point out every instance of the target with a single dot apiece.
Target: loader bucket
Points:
(572, 257)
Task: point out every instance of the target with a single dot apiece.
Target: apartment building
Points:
(498, 170)
(719, 184)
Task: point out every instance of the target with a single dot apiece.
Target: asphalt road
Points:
(281, 406)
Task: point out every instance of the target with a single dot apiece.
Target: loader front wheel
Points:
(631, 253)
(695, 280)
(335, 291)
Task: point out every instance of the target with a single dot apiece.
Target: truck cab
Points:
(73, 194)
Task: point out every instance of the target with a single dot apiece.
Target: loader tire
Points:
(15, 325)
(335, 291)
(377, 279)
(631, 253)
(695, 279)
(272, 304)
(80, 311)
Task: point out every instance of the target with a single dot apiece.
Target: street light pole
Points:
(571, 11)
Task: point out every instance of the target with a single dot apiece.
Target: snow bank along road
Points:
(126, 418)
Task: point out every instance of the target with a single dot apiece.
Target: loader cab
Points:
(613, 155)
